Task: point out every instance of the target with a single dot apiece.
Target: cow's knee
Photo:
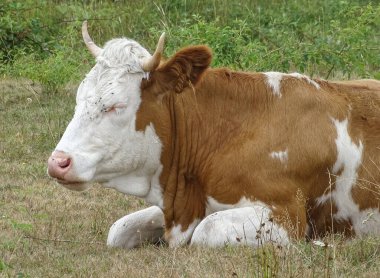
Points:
(134, 229)
(251, 226)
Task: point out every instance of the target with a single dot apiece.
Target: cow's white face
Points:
(101, 143)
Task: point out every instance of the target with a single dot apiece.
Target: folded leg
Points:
(134, 229)
(251, 226)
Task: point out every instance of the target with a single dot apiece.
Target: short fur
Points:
(219, 126)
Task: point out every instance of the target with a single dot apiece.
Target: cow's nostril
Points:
(59, 164)
(64, 163)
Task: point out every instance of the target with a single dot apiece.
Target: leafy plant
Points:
(40, 40)
(21, 29)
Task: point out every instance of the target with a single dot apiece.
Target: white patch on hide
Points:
(307, 78)
(251, 226)
(274, 80)
(132, 230)
(349, 159)
(179, 238)
(281, 155)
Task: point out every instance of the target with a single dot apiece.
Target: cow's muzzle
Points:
(59, 164)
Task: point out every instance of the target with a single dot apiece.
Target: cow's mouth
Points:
(73, 185)
(64, 182)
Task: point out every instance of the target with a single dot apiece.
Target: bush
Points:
(21, 30)
(41, 39)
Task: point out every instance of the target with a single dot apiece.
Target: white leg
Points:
(176, 237)
(134, 229)
(248, 226)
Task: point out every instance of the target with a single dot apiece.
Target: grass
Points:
(49, 231)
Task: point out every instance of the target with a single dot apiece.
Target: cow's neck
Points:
(200, 125)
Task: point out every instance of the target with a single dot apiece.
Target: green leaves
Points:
(319, 39)
(41, 40)
(22, 31)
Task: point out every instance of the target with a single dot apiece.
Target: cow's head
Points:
(101, 143)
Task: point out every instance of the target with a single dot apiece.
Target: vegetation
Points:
(41, 40)
(46, 230)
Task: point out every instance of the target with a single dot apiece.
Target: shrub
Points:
(41, 40)
(21, 30)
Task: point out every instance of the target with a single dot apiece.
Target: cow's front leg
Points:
(134, 229)
(251, 226)
(180, 234)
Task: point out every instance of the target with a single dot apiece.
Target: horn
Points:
(153, 62)
(94, 49)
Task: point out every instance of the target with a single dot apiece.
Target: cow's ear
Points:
(183, 69)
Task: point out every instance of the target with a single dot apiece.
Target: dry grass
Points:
(48, 231)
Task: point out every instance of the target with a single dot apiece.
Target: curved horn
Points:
(94, 49)
(153, 62)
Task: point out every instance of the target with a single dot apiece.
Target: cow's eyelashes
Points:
(114, 108)
(109, 109)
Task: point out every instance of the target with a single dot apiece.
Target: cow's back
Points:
(305, 145)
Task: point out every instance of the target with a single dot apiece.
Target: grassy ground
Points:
(48, 231)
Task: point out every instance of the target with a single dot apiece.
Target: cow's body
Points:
(302, 155)
(237, 138)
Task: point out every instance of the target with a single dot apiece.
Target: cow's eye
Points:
(109, 109)
(115, 108)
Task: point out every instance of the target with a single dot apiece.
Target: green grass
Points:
(48, 231)
(41, 39)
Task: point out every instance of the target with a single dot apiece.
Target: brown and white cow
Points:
(223, 156)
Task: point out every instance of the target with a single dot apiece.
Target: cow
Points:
(223, 157)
